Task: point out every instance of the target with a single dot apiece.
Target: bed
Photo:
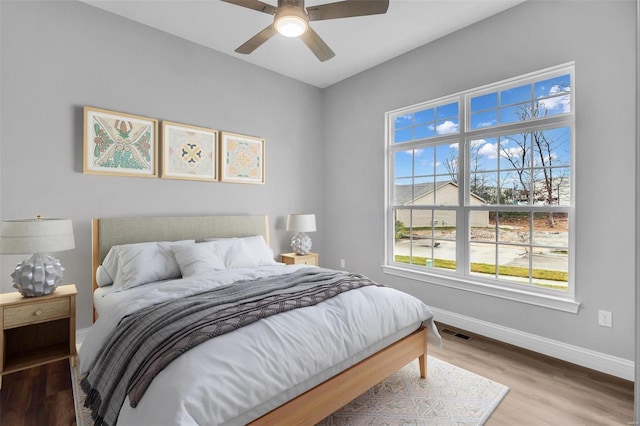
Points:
(261, 373)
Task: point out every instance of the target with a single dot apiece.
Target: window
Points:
(480, 189)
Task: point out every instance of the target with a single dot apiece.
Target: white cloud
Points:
(489, 150)
(453, 146)
(446, 127)
(558, 104)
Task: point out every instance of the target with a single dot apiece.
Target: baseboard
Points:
(598, 361)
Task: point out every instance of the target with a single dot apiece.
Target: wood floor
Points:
(543, 390)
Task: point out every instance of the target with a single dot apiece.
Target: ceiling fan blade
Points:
(257, 40)
(255, 5)
(317, 45)
(347, 9)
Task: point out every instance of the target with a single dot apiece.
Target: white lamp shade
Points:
(28, 236)
(301, 222)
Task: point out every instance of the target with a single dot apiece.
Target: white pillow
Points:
(259, 250)
(197, 259)
(102, 277)
(235, 253)
(256, 247)
(109, 266)
(143, 263)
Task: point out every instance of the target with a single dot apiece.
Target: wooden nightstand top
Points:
(7, 299)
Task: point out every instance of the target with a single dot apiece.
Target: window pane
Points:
(423, 161)
(483, 226)
(551, 272)
(403, 135)
(552, 147)
(482, 188)
(515, 187)
(515, 95)
(446, 193)
(425, 116)
(554, 106)
(403, 164)
(483, 154)
(513, 263)
(484, 119)
(446, 162)
(403, 193)
(488, 101)
(514, 227)
(551, 229)
(444, 239)
(552, 86)
(515, 152)
(449, 110)
(422, 238)
(483, 260)
(403, 121)
(402, 247)
(515, 113)
(423, 192)
(424, 131)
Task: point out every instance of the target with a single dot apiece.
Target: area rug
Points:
(449, 396)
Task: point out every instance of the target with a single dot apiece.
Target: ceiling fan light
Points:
(291, 26)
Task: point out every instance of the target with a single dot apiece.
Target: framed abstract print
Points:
(242, 158)
(116, 143)
(189, 152)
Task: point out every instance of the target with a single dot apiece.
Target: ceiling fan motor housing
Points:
(291, 21)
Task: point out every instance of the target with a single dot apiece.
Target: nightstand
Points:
(299, 259)
(37, 330)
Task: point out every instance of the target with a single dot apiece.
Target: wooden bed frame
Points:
(316, 403)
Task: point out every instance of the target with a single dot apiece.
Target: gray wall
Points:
(59, 56)
(600, 37)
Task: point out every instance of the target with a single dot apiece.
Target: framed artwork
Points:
(242, 158)
(116, 143)
(189, 152)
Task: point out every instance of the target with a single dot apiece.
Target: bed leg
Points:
(422, 360)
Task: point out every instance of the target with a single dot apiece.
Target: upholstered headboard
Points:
(108, 232)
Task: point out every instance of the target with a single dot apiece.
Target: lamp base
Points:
(301, 243)
(38, 275)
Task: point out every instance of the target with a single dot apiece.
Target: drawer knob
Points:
(38, 312)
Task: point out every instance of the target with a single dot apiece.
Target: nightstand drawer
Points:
(32, 313)
(299, 259)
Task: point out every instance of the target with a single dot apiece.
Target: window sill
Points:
(537, 299)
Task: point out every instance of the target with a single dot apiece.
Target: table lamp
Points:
(39, 274)
(301, 223)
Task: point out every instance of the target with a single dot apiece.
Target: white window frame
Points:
(461, 278)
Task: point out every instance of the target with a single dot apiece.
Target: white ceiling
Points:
(359, 43)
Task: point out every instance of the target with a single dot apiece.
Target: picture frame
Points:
(117, 143)
(189, 152)
(242, 158)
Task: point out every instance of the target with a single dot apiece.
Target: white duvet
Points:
(237, 377)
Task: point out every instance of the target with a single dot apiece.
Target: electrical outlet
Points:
(342, 263)
(604, 318)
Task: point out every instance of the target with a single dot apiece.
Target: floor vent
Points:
(456, 334)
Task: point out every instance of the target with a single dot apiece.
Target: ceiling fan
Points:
(291, 19)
